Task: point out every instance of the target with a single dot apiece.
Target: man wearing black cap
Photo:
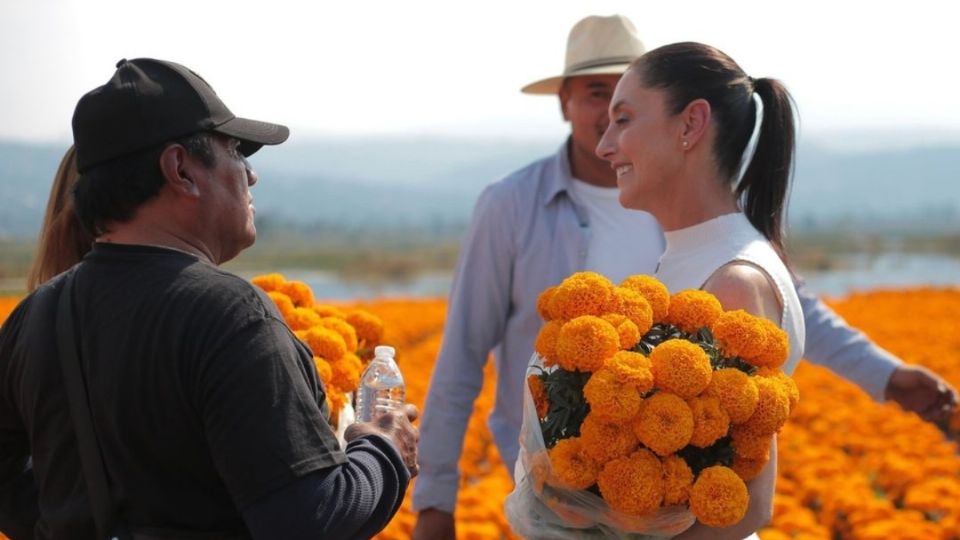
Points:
(157, 395)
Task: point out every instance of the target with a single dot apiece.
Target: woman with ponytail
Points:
(708, 151)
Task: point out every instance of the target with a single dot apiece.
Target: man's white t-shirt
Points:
(622, 242)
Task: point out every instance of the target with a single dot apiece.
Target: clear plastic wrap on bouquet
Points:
(540, 507)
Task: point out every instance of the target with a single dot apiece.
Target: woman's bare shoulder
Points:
(742, 285)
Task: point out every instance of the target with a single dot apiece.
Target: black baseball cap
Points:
(149, 102)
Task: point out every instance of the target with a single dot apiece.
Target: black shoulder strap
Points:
(91, 458)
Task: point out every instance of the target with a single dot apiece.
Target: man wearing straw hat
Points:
(559, 215)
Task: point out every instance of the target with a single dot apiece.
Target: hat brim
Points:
(553, 84)
(253, 134)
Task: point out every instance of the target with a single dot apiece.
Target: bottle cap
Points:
(384, 350)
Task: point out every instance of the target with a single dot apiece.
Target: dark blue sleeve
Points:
(353, 500)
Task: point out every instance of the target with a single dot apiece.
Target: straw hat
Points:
(596, 46)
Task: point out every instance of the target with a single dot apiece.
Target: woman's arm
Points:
(759, 512)
(744, 286)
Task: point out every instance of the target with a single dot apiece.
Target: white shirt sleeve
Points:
(476, 317)
(832, 343)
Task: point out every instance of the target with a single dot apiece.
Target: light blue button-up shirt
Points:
(527, 233)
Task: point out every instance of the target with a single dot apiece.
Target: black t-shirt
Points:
(202, 398)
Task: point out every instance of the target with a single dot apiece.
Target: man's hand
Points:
(919, 390)
(395, 426)
(433, 524)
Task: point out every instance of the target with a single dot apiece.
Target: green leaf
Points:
(720, 453)
(567, 408)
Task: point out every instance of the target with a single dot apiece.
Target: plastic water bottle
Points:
(381, 386)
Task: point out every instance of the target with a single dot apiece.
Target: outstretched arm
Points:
(832, 343)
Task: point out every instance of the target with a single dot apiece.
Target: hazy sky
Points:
(452, 67)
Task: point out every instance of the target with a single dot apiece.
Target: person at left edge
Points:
(211, 420)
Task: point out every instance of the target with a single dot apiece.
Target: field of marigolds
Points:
(849, 468)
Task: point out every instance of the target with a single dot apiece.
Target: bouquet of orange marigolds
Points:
(644, 411)
(342, 341)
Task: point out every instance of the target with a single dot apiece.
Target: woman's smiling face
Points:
(642, 142)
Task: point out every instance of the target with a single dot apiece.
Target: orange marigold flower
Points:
(343, 328)
(787, 382)
(633, 306)
(664, 423)
(284, 304)
(736, 391)
(653, 291)
(776, 349)
(369, 327)
(719, 498)
(571, 466)
(769, 533)
(614, 318)
(299, 292)
(583, 293)
(739, 333)
(546, 344)
(345, 372)
(631, 368)
(540, 399)
(677, 479)
(691, 310)
(585, 343)
(602, 440)
(749, 443)
(324, 371)
(680, 367)
(626, 329)
(773, 407)
(301, 318)
(543, 303)
(932, 495)
(746, 468)
(610, 398)
(710, 421)
(326, 310)
(335, 400)
(269, 282)
(634, 484)
(325, 343)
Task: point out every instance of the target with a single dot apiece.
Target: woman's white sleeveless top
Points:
(695, 253)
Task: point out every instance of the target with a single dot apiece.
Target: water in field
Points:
(858, 272)
(863, 272)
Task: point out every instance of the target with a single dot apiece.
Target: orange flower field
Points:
(849, 468)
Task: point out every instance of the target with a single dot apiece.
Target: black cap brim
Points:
(253, 134)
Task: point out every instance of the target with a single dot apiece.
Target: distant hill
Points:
(432, 182)
(26, 172)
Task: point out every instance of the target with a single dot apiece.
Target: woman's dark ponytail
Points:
(765, 185)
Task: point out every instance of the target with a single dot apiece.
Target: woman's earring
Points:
(685, 144)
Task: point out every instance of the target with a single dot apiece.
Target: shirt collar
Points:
(561, 181)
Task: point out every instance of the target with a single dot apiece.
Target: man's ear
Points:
(180, 170)
(564, 94)
(696, 119)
